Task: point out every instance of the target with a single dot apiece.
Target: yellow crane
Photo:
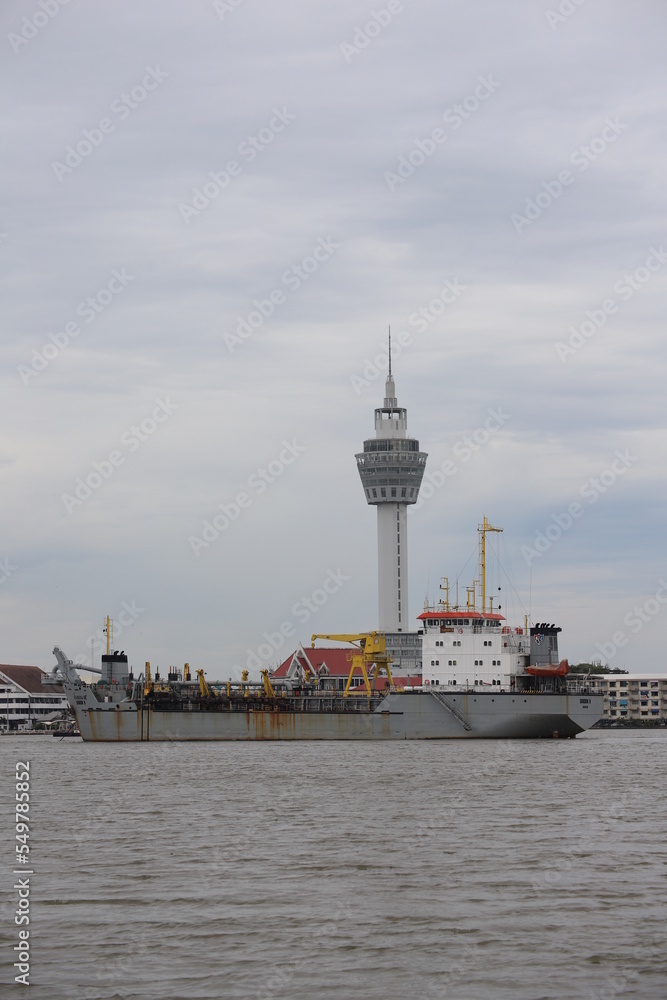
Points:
(268, 686)
(148, 680)
(204, 686)
(371, 657)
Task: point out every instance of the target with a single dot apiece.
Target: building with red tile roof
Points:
(335, 662)
(24, 700)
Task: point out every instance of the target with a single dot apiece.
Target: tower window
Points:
(393, 491)
(383, 491)
(375, 493)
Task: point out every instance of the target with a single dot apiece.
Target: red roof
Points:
(338, 661)
(488, 615)
(29, 678)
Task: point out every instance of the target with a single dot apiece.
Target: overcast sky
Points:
(212, 213)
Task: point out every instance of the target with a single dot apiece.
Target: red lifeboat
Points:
(560, 671)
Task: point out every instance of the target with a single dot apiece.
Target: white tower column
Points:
(393, 567)
(391, 468)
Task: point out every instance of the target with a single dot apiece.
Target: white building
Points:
(391, 468)
(629, 696)
(24, 700)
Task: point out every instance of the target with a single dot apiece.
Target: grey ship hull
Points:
(403, 715)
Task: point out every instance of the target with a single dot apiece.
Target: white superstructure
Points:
(471, 649)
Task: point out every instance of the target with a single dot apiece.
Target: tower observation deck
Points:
(391, 468)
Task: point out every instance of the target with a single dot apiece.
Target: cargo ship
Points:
(119, 708)
(481, 679)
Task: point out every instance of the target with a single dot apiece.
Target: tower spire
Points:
(390, 401)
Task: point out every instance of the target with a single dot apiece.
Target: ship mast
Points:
(482, 530)
(445, 586)
(108, 630)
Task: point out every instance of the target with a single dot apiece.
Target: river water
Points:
(477, 870)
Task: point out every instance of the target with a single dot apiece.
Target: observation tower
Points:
(391, 468)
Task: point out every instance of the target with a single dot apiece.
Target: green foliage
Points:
(594, 668)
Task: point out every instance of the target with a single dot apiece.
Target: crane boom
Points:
(204, 686)
(371, 658)
(268, 686)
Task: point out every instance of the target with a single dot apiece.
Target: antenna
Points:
(390, 352)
